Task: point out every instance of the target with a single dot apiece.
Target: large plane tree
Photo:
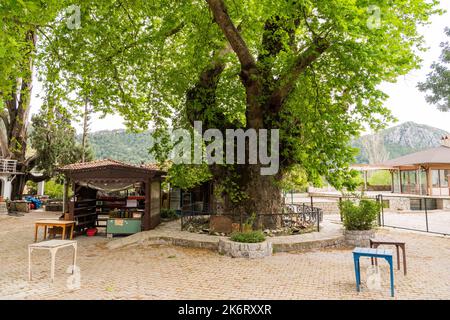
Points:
(53, 140)
(308, 68)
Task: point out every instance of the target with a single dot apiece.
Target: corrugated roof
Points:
(438, 155)
(103, 163)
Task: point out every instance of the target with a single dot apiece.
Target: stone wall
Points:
(327, 206)
(245, 250)
(399, 204)
(358, 238)
(3, 208)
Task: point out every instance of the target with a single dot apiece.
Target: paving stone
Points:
(163, 271)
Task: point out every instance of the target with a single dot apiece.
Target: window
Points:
(409, 181)
(443, 177)
(439, 178)
(396, 181)
(435, 178)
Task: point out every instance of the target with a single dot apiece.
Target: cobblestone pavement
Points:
(168, 272)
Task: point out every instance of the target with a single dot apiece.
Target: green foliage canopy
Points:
(438, 82)
(54, 140)
(142, 59)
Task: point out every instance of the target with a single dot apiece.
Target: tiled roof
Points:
(80, 166)
(439, 155)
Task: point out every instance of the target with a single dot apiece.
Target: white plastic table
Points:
(52, 246)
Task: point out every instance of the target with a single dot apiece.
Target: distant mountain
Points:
(397, 141)
(120, 145)
(386, 144)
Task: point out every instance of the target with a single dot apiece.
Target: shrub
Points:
(361, 216)
(248, 237)
(168, 214)
(54, 190)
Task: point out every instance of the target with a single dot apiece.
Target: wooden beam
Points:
(148, 198)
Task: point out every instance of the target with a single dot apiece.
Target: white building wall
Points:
(6, 189)
(41, 188)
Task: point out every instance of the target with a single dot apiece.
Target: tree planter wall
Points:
(245, 250)
(359, 238)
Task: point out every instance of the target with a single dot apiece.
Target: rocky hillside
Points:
(397, 141)
(387, 144)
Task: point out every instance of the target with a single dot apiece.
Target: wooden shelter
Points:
(425, 172)
(88, 178)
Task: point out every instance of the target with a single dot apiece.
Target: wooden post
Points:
(429, 182)
(365, 180)
(66, 196)
(147, 222)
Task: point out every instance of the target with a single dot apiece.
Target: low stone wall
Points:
(331, 243)
(245, 250)
(3, 208)
(399, 204)
(328, 207)
(359, 238)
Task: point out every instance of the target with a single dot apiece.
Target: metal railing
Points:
(401, 211)
(413, 222)
(8, 166)
(293, 216)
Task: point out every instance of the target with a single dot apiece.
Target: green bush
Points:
(360, 216)
(54, 190)
(248, 237)
(168, 214)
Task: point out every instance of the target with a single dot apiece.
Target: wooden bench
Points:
(375, 243)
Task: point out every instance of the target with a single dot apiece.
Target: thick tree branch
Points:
(232, 34)
(34, 178)
(203, 95)
(4, 150)
(287, 83)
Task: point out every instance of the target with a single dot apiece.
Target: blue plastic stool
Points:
(372, 253)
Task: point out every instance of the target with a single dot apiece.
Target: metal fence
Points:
(293, 216)
(409, 212)
(424, 215)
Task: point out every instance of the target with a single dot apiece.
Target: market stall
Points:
(122, 197)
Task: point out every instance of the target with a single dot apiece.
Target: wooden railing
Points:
(8, 166)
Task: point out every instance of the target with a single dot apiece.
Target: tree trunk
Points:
(18, 186)
(85, 129)
(16, 123)
(263, 197)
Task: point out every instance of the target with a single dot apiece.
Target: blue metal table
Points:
(372, 253)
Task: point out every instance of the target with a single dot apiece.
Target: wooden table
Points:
(375, 243)
(54, 223)
(52, 246)
(372, 253)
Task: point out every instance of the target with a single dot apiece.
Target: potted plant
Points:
(359, 220)
(247, 243)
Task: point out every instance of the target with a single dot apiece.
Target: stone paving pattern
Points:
(150, 271)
